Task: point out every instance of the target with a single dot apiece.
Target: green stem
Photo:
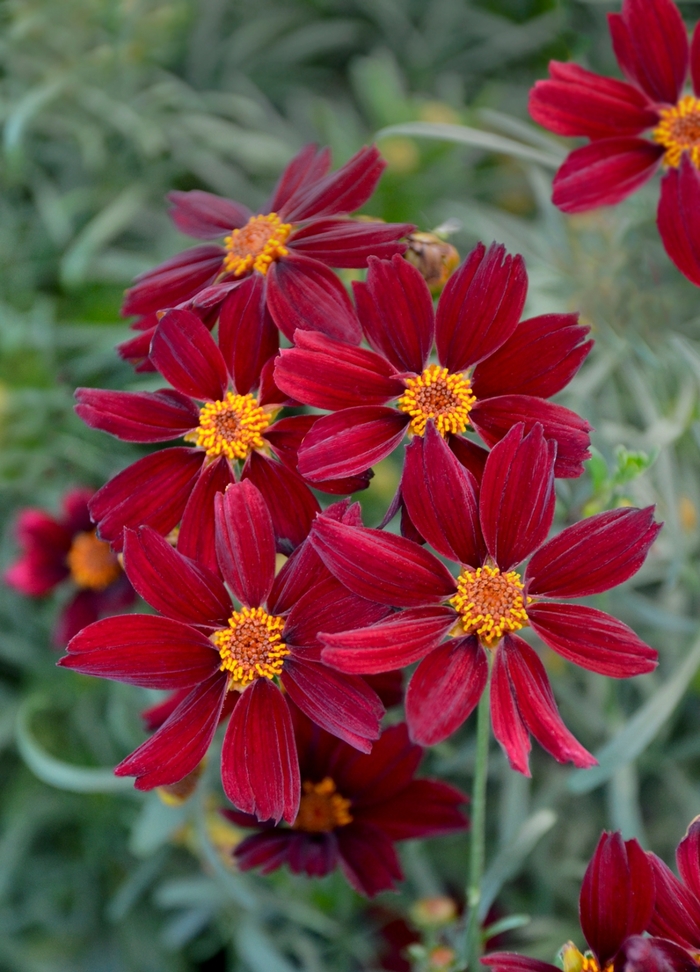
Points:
(472, 940)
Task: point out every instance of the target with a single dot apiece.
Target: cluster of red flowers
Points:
(283, 619)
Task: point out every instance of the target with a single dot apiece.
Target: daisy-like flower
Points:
(353, 808)
(226, 425)
(274, 262)
(491, 371)
(486, 533)
(615, 908)
(205, 642)
(676, 913)
(65, 548)
(651, 45)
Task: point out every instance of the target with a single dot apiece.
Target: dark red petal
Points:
(348, 242)
(328, 606)
(540, 358)
(313, 854)
(604, 173)
(172, 584)
(470, 455)
(577, 102)
(517, 495)
(441, 498)
(291, 503)
(480, 307)
(136, 351)
(331, 374)
(651, 44)
(512, 962)
(396, 312)
(248, 337)
(688, 858)
(677, 218)
(195, 538)
(186, 355)
(676, 909)
(425, 808)
(267, 850)
(508, 726)
(640, 905)
(206, 216)
(307, 168)
(342, 191)
(181, 742)
(245, 543)
(368, 859)
(78, 613)
(137, 416)
(493, 417)
(152, 491)
(259, 763)
(641, 954)
(594, 555)
(604, 902)
(381, 566)
(536, 703)
(350, 441)
(695, 60)
(445, 689)
(592, 639)
(141, 649)
(392, 643)
(343, 705)
(304, 294)
(178, 279)
(379, 775)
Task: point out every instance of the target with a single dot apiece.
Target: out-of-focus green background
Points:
(106, 105)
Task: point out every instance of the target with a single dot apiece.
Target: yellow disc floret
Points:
(490, 603)
(231, 427)
(439, 395)
(679, 131)
(258, 244)
(91, 562)
(322, 808)
(251, 647)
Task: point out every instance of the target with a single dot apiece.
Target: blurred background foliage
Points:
(105, 105)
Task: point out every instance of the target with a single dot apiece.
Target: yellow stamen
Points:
(231, 427)
(439, 395)
(490, 603)
(574, 960)
(91, 562)
(251, 647)
(322, 808)
(258, 244)
(679, 131)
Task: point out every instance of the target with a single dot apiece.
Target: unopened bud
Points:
(571, 958)
(433, 912)
(441, 958)
(176, 793)
(434, 259)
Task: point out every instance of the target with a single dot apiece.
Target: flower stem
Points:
(472, 940)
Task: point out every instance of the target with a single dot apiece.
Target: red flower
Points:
(275, 262)
(677, 910)
(57, 549)
(204, 643)
(518, 366)
(651, 45)
(487, 533)
(231, 426)
(615, 907)
(353, 808)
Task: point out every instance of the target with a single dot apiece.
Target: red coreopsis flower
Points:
(676, 913)
(491, 372)
(273, 265)
(353, 808)
(226, 424)
(651, 45)
(615, 908)
(487, 532)
(56, 549)
(213, 646)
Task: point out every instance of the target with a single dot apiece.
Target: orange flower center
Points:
(251, 647)
(91, 562)
(490, 603)
(231, 427)
(258, 244)
(322, 808)
(439, 395)
(679, 131)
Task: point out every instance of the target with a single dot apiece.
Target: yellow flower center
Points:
(322, 808)
(91, 562)
(251, 647)
(436, 394)
(574, 960)
(231, 427)
(679, 131)
(258, 244)
(490, 603)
